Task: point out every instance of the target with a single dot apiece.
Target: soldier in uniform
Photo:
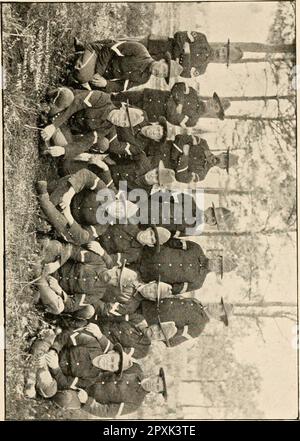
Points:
(76, 281)
(74, 210)
(190, 157)
(114, 396)
(82, 112)
(181, 105)
(188, 315)
(75, 359)
(184, 265)
(117, 66)
(134, 333)
(126, 242)
(192, 50)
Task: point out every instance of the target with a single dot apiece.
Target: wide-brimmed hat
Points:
(223, 216)
(220, 114)
(163, 122)
(231, 160)
(228, 309)
(162, 375)
(166, 176)
(60, 99)
(125, 359)
(162, 235)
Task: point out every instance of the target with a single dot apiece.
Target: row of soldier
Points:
(122, 281)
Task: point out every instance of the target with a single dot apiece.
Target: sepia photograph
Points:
(150, 230)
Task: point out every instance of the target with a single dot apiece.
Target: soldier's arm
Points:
(104, 55)
(130, 49)
(108, 410)
(86, 180)
(118, 310)
(81, 145)
(82, 100)
(61, 340)
(184, 287)
(131, 255)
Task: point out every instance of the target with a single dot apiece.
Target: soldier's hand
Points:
(95, 247)
(48, 132)
(98, 162)
(54, 285)
(82, 396)
(52, 360)
(84, 157)
(50, 268)
(94, 330)
(67, 198)
(99, 81)
(55, 151)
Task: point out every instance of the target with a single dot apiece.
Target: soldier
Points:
(75, 359)
(135, 335)
(187, 315)
(183, 265)
(81, 112)
(117, 66)
(81, 280)
(73, 209)
(114, 396)
(181, 105)
(192, 50)
(126, 242)
(190, 157)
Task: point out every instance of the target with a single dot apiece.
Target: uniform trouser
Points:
(57, 304)
(44, 383)
(74, 233)
(53, 302)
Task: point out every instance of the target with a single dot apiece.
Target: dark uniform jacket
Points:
(120, 242)
(132, 170)
(76, 350)
(112, 396)
(87, 112)
(84, 204)
(188, 314)
(176, 212)
(127, 333)
(200, 51)
(124, 64)
(184, 267)
(171, 153)
(135, 138)
(158, 103)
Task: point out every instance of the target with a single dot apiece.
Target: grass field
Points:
(37, 39)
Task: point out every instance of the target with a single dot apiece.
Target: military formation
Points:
(119, 279)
